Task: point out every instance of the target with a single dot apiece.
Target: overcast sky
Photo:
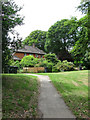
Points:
(41, 14)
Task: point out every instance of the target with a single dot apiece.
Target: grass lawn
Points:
(19, 96)
(73, 87)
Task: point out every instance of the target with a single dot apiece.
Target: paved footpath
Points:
(51, 103)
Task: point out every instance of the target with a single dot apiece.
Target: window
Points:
(36, 55)
(25, 54)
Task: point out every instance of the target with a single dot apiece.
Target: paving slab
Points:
(50, 102)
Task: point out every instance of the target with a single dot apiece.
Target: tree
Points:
(62, 36)
(38, 37)
(81, 48)
(82, 44)
(10, 19)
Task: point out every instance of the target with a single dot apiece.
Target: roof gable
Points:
(30, 49)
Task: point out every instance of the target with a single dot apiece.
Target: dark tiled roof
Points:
(30, 49)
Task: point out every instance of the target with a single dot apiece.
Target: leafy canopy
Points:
(82, 44)
(38, 37)
(61, 35)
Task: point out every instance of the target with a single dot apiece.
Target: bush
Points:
(45, 64)
(16, 63)
(51, 58)
(29, 61)
(64, 66)
(54, 69)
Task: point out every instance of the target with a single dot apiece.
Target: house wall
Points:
(21, 55)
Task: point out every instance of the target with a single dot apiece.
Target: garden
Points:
(50, 62)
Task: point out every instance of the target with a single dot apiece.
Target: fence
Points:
(33, 69)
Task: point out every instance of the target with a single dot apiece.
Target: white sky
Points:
(41, 14)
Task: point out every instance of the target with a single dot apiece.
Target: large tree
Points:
(10, 19)
(81, 49)
(38, 37)
(61, 37)
(81, 44)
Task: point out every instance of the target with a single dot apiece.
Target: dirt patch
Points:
(84, 82)
(75, 83)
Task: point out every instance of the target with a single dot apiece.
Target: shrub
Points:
(54, 69)
(64, 66)
(51, 58)
(45, 64)
(16, 63)
(29, 61)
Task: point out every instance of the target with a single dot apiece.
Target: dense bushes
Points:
(45, 64)
(16, 63)
(63, 66)
(28, 61)
(51, 58)
(50, 63)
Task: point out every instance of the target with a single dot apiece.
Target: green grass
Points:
(19, 96)
(73, 87)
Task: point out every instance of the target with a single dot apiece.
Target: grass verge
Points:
(19, 96)
(73, 87)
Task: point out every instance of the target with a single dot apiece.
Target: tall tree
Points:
(10, 19)
(61, 36)
(82, 45)
(81, 49)
(38, 37)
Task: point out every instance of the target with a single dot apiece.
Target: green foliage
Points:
(61, 35)
(86, 61)
(28, 61)
(10, 19)
(47, 65)
(54, 69)
(64, 66)
(38, 37)
(16, 63)
(82, 44)
(48, 62)
(51, 58)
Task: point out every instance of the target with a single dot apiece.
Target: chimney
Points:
(33, 45)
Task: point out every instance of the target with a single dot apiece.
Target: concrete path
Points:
(51, 103)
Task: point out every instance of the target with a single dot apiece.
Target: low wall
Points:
(33, 69)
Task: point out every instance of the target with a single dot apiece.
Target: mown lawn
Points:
(73, 87)
(19, 96)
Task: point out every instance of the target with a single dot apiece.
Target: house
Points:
(28, 50)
